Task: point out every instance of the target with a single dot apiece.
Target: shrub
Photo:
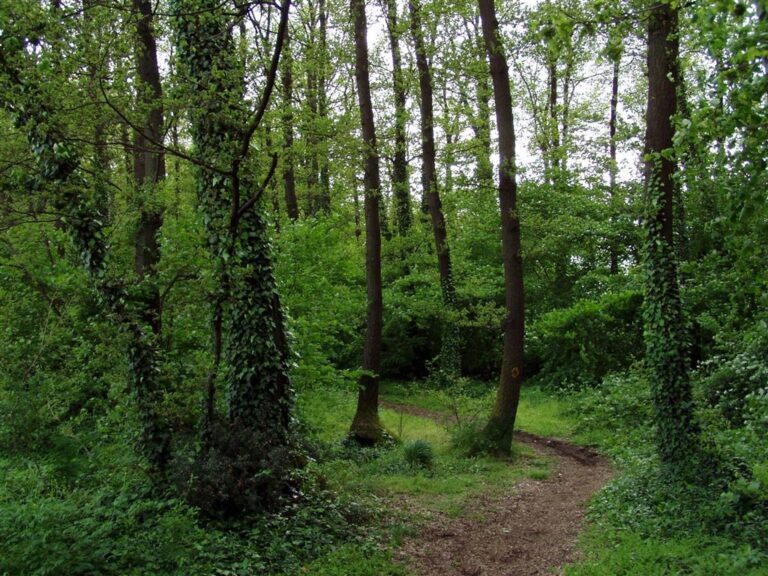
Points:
(242, 472)
(419, 454)
(467, 437)
(93, 532)
(576, 346)
(729, 382)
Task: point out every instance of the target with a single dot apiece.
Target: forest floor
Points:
(528, 531)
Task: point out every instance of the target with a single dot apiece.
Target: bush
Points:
(242, 472)
(576, 346)
(99, 532)
(618, 414)
(728, 382)
(419, 454)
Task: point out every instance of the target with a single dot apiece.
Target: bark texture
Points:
(366, 426)
(665, 333)
(498, 431)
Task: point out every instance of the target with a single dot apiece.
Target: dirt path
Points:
(530, 531)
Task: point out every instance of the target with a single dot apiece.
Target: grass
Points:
(352, 560)
(626, 554)
(446, 486)
(539, 412)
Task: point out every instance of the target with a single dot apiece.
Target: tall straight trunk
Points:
(498, 431)
(449, 355)
(481, 120)
(149, 161)
(289, 174)
(566, 111)
(324, 198)
(313, 141)
(401, 192)
(665, 333)
(484, 171)
(554, 130)
(366, 426)
(613, 167)
(148, 172)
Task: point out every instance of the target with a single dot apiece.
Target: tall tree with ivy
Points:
(248, 316)
(400, 188)
(665, 330)
(31, 43)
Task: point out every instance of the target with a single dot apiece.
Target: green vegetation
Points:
(447, 483)
(236, 335)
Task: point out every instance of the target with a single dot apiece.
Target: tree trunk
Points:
(554, 131)
(324, 199)
(148, 172)
(289, 175)
(484, 171)
(450, 361)
(498, 431)
(665, 332)
(366, 426)
(566, 112)
(256, 349)
(481, 120)
(149, 163)
(613, 167)
(313, 142)
(401, 192)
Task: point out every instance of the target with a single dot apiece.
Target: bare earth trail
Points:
(533, 530)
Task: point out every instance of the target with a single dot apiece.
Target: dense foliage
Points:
(183, 409)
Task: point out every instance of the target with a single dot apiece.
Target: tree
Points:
(498, 431)
(665, 332)
(615, 57)
(449, 354)
(289, 176)
(247, 308)
(148, 173)
(366, 426)
(401, 191)
(82, 199)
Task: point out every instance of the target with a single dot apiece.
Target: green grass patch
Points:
(352, 560)
(539, 412)
(445, 485)
(626, 554)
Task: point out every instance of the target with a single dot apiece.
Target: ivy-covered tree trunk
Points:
(83, 206)
(148, 172)
(482, 129)
(498, 431)
(259, 393)
(481, 115)
(366, 426)
(450, 360)
(553, 135)
(665, 333)
(401, 191)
